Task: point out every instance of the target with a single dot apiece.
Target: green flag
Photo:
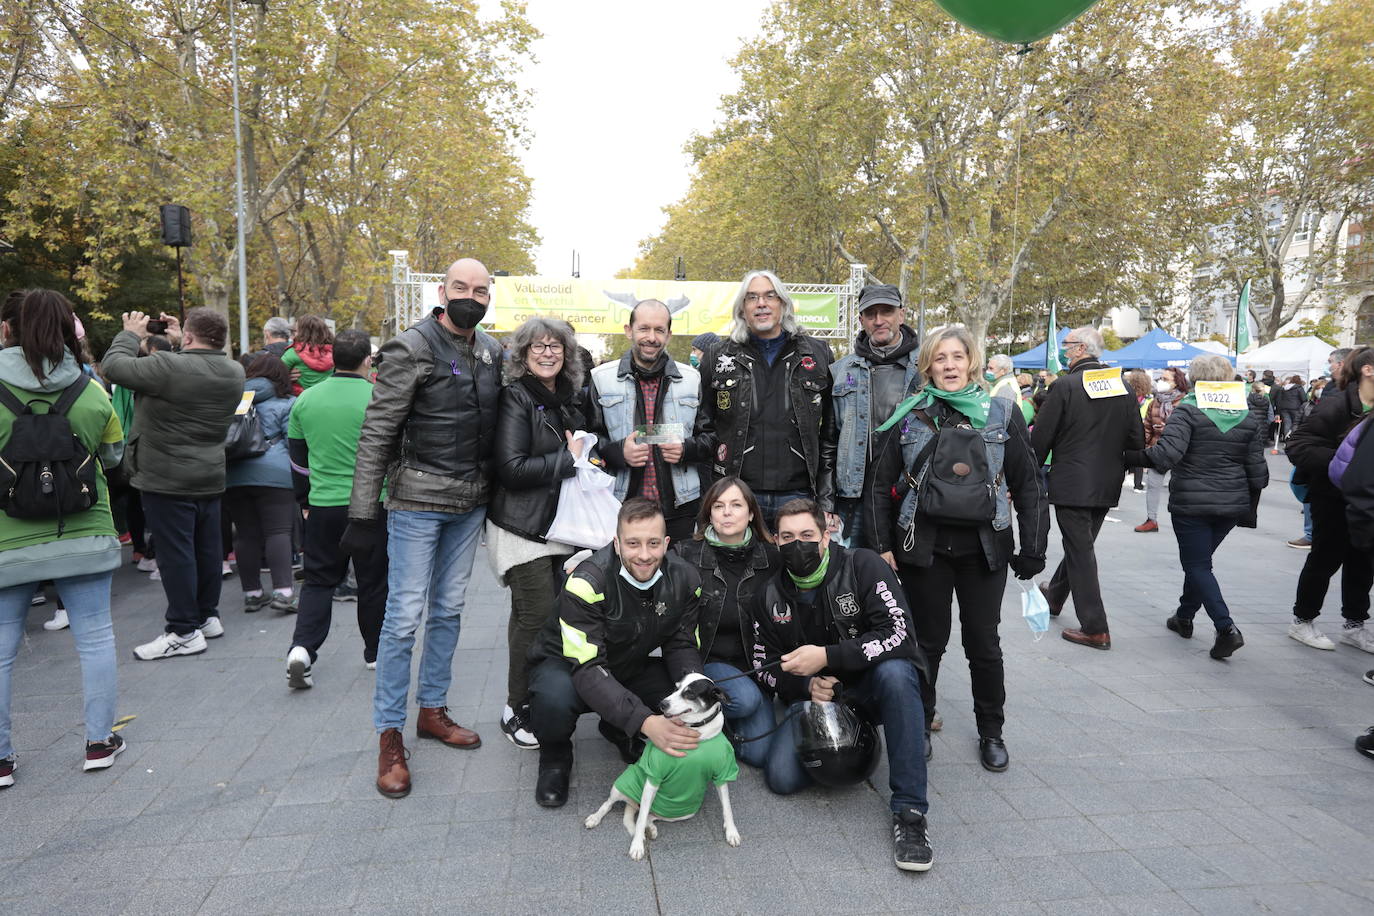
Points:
(1243, 320)
(1052, 363)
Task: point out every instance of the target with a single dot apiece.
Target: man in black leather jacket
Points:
(838, 618)
(620, 604)
(766, 414)
(429, 431)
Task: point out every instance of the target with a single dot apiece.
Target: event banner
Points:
(603, 306)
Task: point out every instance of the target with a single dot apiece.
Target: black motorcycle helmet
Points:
(837, 746)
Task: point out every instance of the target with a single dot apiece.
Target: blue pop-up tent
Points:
(1034, 358)
(1156, 350)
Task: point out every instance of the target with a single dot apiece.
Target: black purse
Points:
(244, 438)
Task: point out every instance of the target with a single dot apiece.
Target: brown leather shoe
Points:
(435, 723)
(393, 776)
(1093, 640)
(1054, 608)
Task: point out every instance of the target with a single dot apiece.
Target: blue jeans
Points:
(889, 694)
(770, 501)
(747, 709)
(1307, 520)
(1199, 536)
(431, 562)
(851, 512)
(87, 600)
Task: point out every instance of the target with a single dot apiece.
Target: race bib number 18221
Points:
(1103, 383)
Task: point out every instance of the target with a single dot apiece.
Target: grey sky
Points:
(619, 88)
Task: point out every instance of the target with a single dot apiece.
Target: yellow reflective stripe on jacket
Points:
(579, 587)
(575, 644)
(1002, 383)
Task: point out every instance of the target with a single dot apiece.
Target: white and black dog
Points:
(698, 703)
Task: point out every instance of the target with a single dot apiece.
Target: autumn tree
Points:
(366, 126)
(1299, 111)
(929, 151)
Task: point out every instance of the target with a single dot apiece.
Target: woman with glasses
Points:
(541, 407)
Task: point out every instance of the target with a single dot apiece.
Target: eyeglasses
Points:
(770, 297)
(554, 348)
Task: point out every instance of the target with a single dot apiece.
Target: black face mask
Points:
(465, 313)
(801, 558)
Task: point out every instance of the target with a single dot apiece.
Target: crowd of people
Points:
(799, 528)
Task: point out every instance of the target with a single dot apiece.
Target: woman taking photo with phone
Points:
(76, 546)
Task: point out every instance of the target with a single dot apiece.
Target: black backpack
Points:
(45, 470)
(955, 486)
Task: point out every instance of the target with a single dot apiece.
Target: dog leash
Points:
(785, 719)
(734, 677)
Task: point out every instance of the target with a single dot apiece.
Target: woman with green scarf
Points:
(1219, 469)
(734, 553)
(939, 556)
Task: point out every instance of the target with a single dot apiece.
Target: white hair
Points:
(739, 333)
(1000, 363)
(1091, 338)
(276, 326)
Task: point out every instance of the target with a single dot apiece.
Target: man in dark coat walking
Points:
(1088, 421)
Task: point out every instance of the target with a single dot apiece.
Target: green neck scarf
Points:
(971, 401)
(710, 535)
(1226, 420)
(816, 578)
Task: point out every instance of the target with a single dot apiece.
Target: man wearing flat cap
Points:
(868, 384)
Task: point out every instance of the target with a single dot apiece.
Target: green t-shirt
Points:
(94, 422)
(681, 781)
(329, 417)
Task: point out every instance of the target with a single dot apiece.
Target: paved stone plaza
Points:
(1147, 779)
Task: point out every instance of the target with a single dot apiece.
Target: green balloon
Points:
(1015, 21)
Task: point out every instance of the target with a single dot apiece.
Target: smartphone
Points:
(157, 326)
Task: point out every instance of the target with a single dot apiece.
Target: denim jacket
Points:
(916, 435)
(851, 395)
(613, 388)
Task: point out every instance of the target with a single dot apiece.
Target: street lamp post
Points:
(238, 186)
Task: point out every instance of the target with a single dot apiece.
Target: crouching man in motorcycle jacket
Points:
(619, 605)
(838, 619)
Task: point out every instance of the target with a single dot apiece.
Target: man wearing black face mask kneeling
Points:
(840, 623)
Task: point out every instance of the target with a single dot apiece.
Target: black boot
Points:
(1180, 626)
(1228, 641)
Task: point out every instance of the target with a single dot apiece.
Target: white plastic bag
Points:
(587, 507)
(1035, 609)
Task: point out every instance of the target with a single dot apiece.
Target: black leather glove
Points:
(1025, 567)
(363, 535)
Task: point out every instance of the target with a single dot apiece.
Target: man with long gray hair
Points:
(1088, 421)
(766, 413)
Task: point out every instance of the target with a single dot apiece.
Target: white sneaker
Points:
(212, 628)
(1359, 637)
(298, 668)
(58, 622)
(1308, 634)
(372, 666)
(147, 564)
(225, 570)
(155, 576)
(169, 644)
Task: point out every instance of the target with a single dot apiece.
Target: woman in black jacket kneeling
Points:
(734, 553)
(541, 408)
(1218, 472)
(940, 550)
